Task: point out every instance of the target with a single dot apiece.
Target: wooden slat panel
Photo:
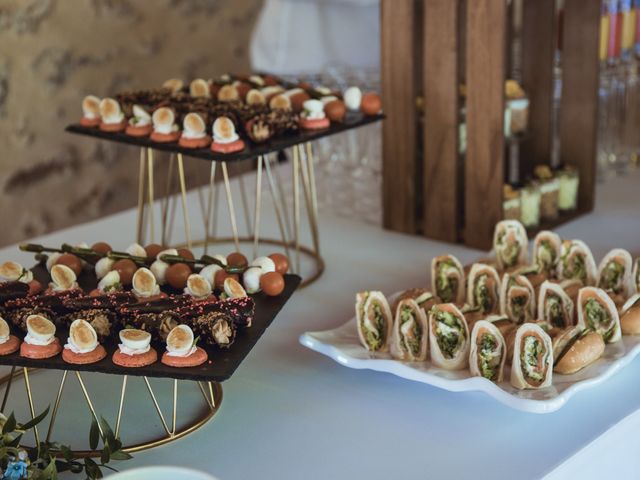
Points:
(579, 103)
(440, 86)
(399, 129)
(539, 32)
(485, 75)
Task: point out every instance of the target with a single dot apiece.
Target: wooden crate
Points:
(428, 47)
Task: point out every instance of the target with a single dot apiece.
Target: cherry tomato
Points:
(126, 269)
(236, 259)
(281, 261)
(186, 253)
(221, 276)
(177, 275)
(272, 283)
(71, 261)
(153, 249)
(101, 247)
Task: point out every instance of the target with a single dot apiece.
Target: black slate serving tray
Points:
(352, 120)
(222, 362)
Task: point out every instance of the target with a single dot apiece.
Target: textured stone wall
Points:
(53, 53)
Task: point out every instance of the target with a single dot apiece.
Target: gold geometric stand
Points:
(211, 394)
(289, 213)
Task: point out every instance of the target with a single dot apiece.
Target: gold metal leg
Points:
(276, 203)
(256, 218)
(27, 385)
(56, 405)
(296, 205)
(89, 403)
(155, 404)
(121, 405)
(150, 191)
(232, 212)
(306, 185)
(209, 219)
(245, 203)
(314, 196)
(283, 198)
(183, 190)
(168, 192)
(175, 407)
(141, 182)
(7, 389)
(206, 397)
(213, 397)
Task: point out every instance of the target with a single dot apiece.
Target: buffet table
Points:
(289, 412)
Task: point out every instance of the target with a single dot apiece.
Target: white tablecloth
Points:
(291, 413)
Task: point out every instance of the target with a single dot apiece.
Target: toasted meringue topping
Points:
(164, 120)
(13, 271)
(144, 283)
(5, 332)
(91, 107)
(199, 88)
(271, 91)
(233, 289)
(180, 341)
(40, 330)
(197, 286)
(173, 84)
(110, 111)
(134, 341)
(228, 93)
(110, 282)
(140, 117)
(224, 131)
(293, 91)
(82, 337)
(193, 126)
(328, 99)
(313, 109)
(255, 97)
(280, 102)
(322, 90)
(63, 278)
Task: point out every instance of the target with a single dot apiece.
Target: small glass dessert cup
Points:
(511, 203)
(569, 182)
(549, 192)
(530, 205)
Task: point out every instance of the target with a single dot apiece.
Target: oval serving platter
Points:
(342, 345)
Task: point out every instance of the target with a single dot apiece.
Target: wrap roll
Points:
(636, 275)
(547, 249)
(214, 328)
(517, 298)
(576, 262)
(448, 337)
(488, 351)
(375, 321)
(615, 273)
(630, 316)
(532, 365)
(510, 244)
(555, 306)
(447, 279)
(483, 288)
(424, 298)
(575, 348)
(409, 340)
(597, 312)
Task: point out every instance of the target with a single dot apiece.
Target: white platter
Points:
(342, 345)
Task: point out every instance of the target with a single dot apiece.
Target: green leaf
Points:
(15, 442)
(94, 435)
(50, 472)
(35, 421)
(66, 452)
(91, 469)
(106, 454)
(120, 455)
(76, 468)
(10, 424)
(106, 430)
